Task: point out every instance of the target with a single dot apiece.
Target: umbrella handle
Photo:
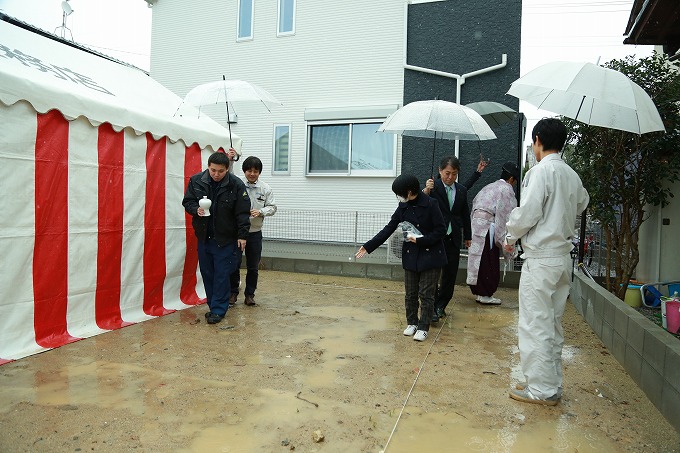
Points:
(434, 146)
(224, 79)
(231, 145)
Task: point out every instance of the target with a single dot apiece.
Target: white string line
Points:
(422, 365)
(343, 287)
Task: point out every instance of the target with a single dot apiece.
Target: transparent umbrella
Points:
(494, 113)
(229, 92)
(590, 94)
(437, 119)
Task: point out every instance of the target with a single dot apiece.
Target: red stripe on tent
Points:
(110, 147)
(154, 228)
(187, 294)
(50, 253)
(4, 361)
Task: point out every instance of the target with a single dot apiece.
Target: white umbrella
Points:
(437, 119)
(590, 94)
(229, 92)
(494, 113)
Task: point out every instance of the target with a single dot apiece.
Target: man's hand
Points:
(255, 213)
(509, 248)
(429, 185)
(242, 244)
(482, 164)
(200, 212)
(361, 253)
(468, 243)
(231, 154)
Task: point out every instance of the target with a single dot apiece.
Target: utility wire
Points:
(422, 365)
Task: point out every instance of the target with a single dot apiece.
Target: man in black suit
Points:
(452, 199)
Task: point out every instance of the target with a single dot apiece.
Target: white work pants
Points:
(543, 290)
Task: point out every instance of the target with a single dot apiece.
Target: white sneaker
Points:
(487, 300)
(420, 335)
(410, 330)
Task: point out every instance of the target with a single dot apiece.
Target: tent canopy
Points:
(49, 74)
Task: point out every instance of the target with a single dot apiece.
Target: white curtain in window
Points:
(371, 150)
(329, 148)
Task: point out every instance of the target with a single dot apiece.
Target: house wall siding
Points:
(460, 37)
(346, 54)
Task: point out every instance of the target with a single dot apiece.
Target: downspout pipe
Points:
(460, 79)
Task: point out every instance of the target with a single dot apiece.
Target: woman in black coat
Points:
(422, 255)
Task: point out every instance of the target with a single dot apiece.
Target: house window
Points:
(281, 149)
(245, 20)
(286, 17)
(350, 149)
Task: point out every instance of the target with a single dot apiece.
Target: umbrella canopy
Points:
(590, 94)
(438, 119)
(494, 113)
(229, 92)
(234, 91)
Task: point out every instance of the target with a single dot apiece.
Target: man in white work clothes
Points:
(551, 198)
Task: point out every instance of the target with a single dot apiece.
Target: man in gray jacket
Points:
(262, 205)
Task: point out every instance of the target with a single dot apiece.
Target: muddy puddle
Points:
(321, 366)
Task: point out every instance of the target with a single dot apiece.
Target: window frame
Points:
(274, 157)
(278, 19)
(350, 172)
(238, 21)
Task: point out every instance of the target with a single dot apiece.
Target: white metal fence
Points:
(336, 235)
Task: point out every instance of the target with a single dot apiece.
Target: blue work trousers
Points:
(217, 263)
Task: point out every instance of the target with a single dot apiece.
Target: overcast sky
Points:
(119, 28)
(578, 30)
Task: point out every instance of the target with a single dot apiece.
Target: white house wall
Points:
(658, 244)
(342, 55)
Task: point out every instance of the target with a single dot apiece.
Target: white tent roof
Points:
(52, 75)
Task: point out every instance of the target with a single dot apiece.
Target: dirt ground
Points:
(321, 365)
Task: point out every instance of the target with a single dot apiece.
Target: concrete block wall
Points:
(359, 269)
(346, 269)
(649, 354)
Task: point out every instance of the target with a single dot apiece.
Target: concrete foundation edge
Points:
(361, 269)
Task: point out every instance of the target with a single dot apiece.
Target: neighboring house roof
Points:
(52, 73)
(655, 22)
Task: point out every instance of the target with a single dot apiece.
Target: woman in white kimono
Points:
(490, 211)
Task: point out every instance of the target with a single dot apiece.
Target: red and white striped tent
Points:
(93, 164)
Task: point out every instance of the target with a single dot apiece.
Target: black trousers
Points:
(253, 257)
(420, 285)
(448, 275)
